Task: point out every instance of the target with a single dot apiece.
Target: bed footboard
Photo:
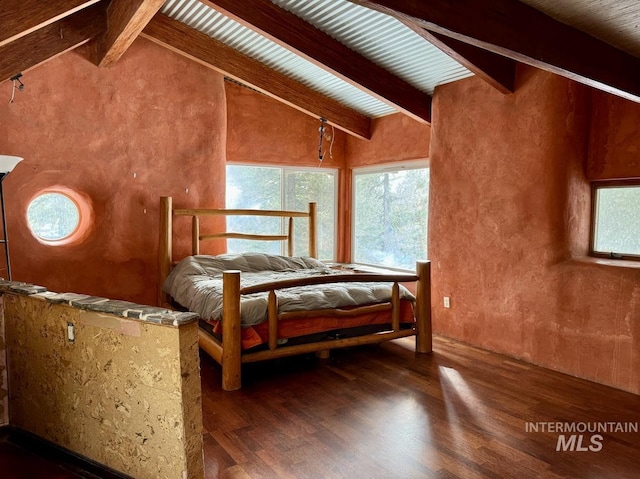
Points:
(230, 355)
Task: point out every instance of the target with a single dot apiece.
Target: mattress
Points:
(196, 284)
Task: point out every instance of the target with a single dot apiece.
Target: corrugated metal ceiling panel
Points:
(382, 39)
(231, 33)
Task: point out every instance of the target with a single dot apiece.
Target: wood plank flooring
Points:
(18, 461)
(383, 412)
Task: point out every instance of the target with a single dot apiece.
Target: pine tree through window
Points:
(390, 215)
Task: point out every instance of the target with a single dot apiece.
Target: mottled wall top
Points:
(125, 309)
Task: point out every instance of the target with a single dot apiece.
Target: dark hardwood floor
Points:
(19, 461)
(383, 412)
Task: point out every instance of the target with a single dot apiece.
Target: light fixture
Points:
(17, 84)
(7, 164)
(321, 131)
(325, 135)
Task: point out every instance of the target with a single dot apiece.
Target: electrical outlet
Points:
(447, 302)
(71, 332)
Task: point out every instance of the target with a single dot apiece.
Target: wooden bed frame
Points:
(228, 352)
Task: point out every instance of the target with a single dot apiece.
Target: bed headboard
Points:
(167, 212)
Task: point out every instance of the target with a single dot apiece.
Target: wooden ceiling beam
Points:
(303, 39)
(51, 41)
(518, 31)
(22, 17)
(125, 20)
(213, 54)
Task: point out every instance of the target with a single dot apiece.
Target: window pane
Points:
(253, 188)
(390, 217)
(53, 216)
(617, 228)
(277, 188)
(303, 187)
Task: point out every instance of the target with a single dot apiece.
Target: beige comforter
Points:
(196, 283)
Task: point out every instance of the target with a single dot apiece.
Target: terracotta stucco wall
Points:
(393, 138)
(125, 393)
(508, 231)
(263, 130)
(614, 139)
(153, 124)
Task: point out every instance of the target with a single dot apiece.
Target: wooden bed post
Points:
(290, 237)
(313, 218)
(231, 334)
(165, 250)
(272, 312)
(395, 307)
(195, 235)
(424, 342)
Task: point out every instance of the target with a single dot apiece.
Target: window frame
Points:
(595, 187)
(422, 163)
(336, 195)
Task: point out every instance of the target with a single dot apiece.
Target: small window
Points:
(53, 216)
(390, 215)
(616, 220)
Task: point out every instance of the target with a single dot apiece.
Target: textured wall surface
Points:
(125, 394)
(614, 141)
(509, 226)
(154, 124)
(263, 130)
(393, 138)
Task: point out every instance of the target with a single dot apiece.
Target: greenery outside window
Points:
(615, 229)
(282, 188)
(390, 215)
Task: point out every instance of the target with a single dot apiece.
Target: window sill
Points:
(616, 263)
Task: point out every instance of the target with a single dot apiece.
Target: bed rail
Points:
(330, 278)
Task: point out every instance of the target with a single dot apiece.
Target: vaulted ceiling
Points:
(345, 61)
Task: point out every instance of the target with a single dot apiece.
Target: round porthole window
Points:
(53, 216)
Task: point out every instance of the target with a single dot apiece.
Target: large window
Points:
(277, 188)
(390, 215)
(616, 220)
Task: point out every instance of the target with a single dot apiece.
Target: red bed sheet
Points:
(259, 334)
